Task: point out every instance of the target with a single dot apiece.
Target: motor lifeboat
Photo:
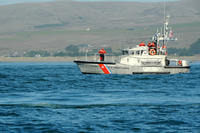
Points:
(142, 59)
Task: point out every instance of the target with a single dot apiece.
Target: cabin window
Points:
(132, 53)
(143, 52)
(137, 52)
(125, 52)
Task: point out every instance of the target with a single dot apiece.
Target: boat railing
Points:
(96, 58)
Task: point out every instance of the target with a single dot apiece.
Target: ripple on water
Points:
(56, 97)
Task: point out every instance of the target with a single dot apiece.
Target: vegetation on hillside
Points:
(71, 50)
(83, 49)
(46, 25)
(192, 50)
(39, 53)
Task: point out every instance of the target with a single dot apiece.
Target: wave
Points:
(167, 122)
(2, 76)
(63, 106)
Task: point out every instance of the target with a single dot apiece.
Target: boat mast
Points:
(165, 34)
(164, 30)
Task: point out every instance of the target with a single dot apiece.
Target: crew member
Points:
(102, 53)
(142, 44)
(151, 44)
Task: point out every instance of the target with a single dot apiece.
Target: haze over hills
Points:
(8, 2)
(55, 25)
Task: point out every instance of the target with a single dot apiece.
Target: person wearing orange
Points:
(164, 47)
(142, 44)
(151, 44)
(164, 50)
(180, 62)
(101, 53)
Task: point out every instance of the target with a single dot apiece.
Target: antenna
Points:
(164, 10)
(164, 30)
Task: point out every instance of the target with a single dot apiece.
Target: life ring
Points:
(152, 52)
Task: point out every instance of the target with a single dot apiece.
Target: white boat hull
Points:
(90, 67)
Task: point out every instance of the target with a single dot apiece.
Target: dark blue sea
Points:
(57, 98)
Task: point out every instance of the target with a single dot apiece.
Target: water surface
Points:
(57, 98)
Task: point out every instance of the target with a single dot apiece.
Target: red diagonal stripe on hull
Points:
(104, 69)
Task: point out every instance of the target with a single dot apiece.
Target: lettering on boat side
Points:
(156, 63)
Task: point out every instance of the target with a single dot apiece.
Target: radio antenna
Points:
(164, 30)
(164, 10)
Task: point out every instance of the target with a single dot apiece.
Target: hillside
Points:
(55, 25)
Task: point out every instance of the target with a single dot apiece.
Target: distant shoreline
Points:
(37, 59)
(71, 59)
(5, 3)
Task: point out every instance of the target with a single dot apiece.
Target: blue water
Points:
(57, 98)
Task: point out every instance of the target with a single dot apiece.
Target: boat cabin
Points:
(138, 51)
(143, 56)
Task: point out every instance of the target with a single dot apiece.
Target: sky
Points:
(8, 2)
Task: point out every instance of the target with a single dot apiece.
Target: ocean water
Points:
(57, 98)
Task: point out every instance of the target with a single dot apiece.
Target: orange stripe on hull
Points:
(104, 69)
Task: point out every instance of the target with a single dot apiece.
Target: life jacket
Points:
(142, 44)
(102, 51)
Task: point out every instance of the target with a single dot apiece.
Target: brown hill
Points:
(54, 25)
